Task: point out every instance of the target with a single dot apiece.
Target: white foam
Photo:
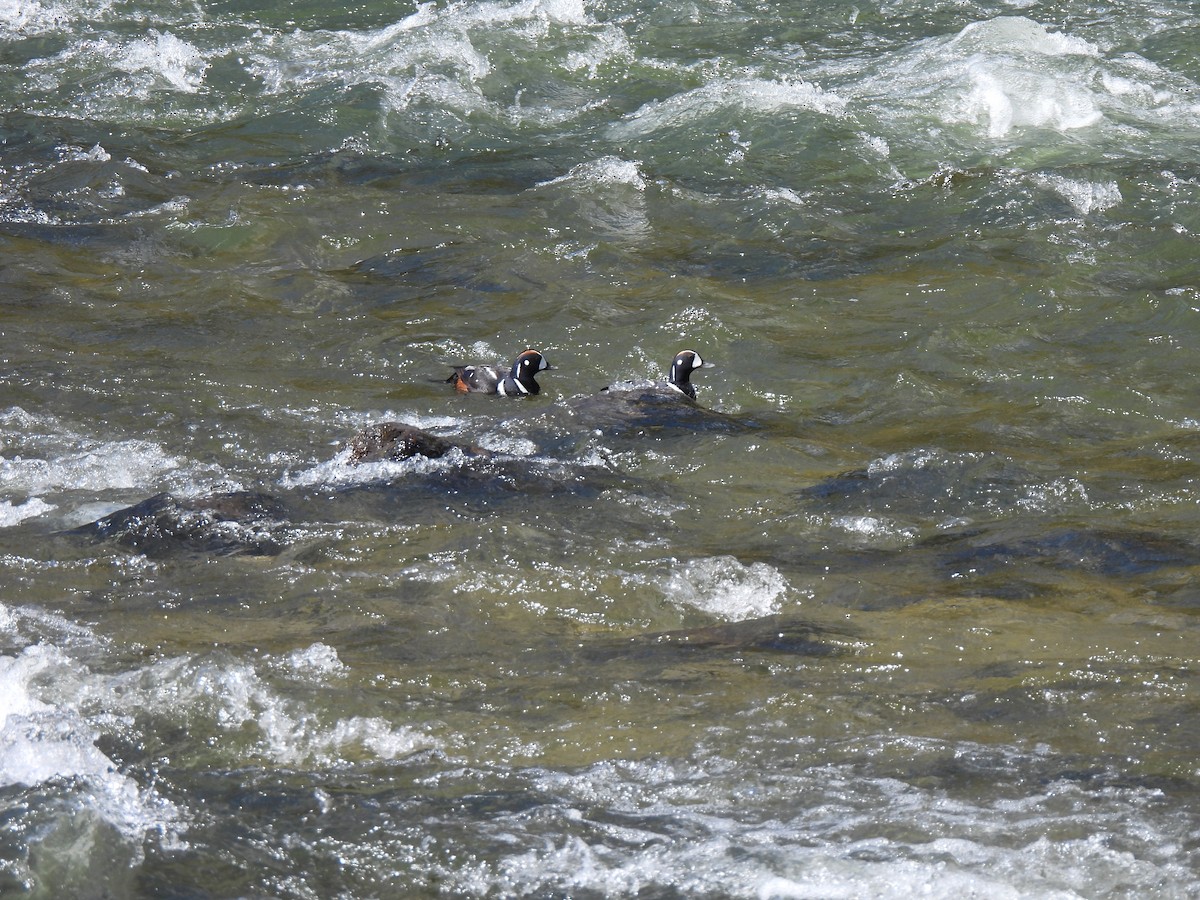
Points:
(507, 444)
(726, 856)
(609, 45)
(754, 95)
(28, 625)
(15, 700)
(13, 515)
(610, 192)
(102, 466)
(715, 865)
(375, 736)
(76, 154)
(608, 170)
(37, 741)
(491, 15)
(874, 528)
(723, 586)
(783, 195)
(1085, 196)
(1009, 73)
(1019, 36)
(180, 64)
(54, 707)
(56, 457)
(1014, 73)
(316, 661)
(1057, 495)
(338, 472)
(1001, 100)
(908, 459)
(688, 828)
(118, 72)
(23, 18)
(241, 703)
(45, 735)
(438, 57)
(902, 879)
(359, 419)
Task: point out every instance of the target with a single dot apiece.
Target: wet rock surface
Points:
(236, 523)
(397, 441)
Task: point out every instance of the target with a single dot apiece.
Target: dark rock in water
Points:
(396, 441)
(237, 523)
(620, 410)
(840, 486)
(924, 485)
(1106, 552)
(480, 481)
(769, 634)
(772, 634)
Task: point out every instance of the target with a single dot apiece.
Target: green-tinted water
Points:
(912, 611)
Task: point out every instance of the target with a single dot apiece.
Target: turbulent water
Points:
(905, 606)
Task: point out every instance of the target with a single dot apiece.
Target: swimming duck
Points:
(678, 379)
(671, 404)
(518, 381)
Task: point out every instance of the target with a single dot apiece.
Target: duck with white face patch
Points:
(678, 383)
(686, 362)
(670, 404)
(518, 381)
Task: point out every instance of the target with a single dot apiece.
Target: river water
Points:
(907, 608)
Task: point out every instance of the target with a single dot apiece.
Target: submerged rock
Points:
(619, 410)
(925, 484)
(768, 634)
(1109, 552)
(395, 441)
(227, 524)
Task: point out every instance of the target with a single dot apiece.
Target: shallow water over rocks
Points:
(905, 604)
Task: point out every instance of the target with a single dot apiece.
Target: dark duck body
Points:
(679, 379)
(670, 404)
(518, 381)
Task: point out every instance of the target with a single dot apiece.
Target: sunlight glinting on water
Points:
(902, 605)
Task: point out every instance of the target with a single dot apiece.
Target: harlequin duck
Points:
(637, 405)
(516, 382)
(679, 379)
(395, 441)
